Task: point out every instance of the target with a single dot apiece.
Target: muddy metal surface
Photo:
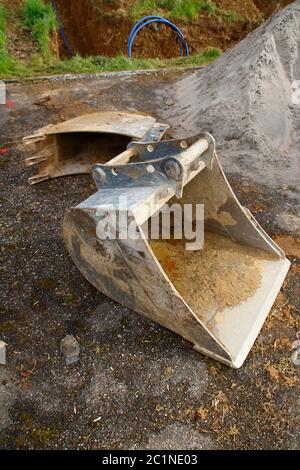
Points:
(137, 385)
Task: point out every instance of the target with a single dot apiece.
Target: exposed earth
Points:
(138, 385)
(101, 28)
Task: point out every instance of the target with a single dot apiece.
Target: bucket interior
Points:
(76, 152)
(90, 146)
(229, 286)
(220, 276)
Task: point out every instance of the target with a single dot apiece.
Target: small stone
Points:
(2, 353)
(170, 102)
(296, 357)
(296, 353)
(70, 349)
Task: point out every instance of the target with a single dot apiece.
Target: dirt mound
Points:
(245, 99)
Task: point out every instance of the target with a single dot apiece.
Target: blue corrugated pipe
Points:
(156, 19)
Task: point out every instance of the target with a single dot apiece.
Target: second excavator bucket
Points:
(217, 290)
(73, 146)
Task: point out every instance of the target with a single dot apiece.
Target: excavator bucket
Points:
(215, 289)
(73, 146)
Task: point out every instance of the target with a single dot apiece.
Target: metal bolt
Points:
(150, 148)
(150, 169)
(172, 169)
(183, 144)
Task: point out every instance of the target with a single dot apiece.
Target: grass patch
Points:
(203, 58)
(210, 7)
(40, 18)
(176, 9)
(2, 28)
(7, 63)
(230, 15)
(77, 64)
